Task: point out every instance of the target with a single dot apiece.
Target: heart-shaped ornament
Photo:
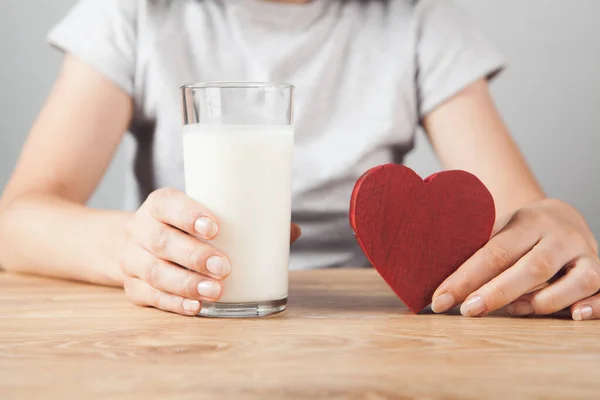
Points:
(417, 232)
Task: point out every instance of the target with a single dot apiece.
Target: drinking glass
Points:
(237, 152)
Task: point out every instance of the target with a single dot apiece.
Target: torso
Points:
(356, 101)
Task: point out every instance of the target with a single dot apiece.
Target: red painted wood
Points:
(416, 233)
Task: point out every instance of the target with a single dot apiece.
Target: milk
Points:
(243, 175)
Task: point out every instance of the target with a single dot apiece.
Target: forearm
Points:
(468, 133)
(497, 161)
(47, 235)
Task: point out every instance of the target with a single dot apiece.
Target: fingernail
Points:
(206, 227)
(219, 266)
(191, 305)
(582, 313)
(473, 307)
(209, 289)
(443, 303)
(520, 308)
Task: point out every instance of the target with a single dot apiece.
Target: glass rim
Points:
(237, 85)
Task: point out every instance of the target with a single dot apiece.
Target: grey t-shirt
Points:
(366, 72)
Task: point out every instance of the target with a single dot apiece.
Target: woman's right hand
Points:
(166, 261)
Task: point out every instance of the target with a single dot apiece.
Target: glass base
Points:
(243, 310)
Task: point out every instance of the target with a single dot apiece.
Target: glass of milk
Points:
(237, 152)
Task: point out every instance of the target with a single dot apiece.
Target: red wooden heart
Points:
(417, 233)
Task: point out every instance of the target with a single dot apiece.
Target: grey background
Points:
(549, 95)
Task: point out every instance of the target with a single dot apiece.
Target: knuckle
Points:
(575, 241)
(187, 287)
(497, 258)
(572, 237)
(590, 281)
(160, 239)
(553, 202)
(153, 197)
(541, 267)
(157, 204)
(152, 275)
(156, 298)
(158, 199)
(542, 218)
(557, 244)
(195, 259)
(533, 216)
(168, 192)
(503, 297)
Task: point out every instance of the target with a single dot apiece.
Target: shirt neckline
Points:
(288, 16)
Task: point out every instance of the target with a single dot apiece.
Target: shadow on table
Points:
(335, 301)
(502, 313)
(317, 300)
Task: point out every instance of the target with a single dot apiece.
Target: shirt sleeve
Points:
(102, 33)
(451, 53)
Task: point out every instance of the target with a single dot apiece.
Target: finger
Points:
(295, 233)
(586, 309)
(171, 278)
(533, 269)
(538, 287)
(582, 281)
(511, 242)
(171, 244)
(143, 294)
(177, 209)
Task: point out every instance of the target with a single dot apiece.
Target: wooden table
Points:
(345, 335)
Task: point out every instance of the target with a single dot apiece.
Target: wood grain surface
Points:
(344, 336)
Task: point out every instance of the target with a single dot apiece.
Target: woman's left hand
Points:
(540, 260)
